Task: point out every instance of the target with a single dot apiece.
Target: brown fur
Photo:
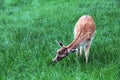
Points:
(83, 32)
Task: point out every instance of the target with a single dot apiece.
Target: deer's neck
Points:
(80, 38)
(75, 43)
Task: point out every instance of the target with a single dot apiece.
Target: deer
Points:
(84, 32)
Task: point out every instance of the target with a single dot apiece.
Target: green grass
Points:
(29, 28)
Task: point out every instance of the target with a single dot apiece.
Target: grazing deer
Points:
(84, 32)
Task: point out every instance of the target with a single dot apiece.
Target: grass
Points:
(29, 28)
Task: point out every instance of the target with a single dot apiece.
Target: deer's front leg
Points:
(77, 51)
(81, 50)
(86, 50)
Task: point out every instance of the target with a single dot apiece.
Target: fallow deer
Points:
(84, 32)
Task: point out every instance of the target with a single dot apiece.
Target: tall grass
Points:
(29, 28)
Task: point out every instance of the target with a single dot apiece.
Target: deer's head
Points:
(62, 52)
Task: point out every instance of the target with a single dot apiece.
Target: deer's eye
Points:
(64, 50)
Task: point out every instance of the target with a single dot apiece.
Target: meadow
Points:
(29, 28)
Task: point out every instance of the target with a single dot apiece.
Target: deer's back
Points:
(85, 24)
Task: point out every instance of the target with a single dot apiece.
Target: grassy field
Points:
(29, 28)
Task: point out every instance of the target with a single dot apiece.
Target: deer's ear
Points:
(59, 43)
